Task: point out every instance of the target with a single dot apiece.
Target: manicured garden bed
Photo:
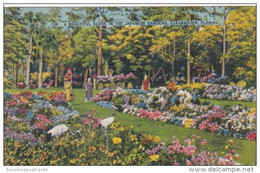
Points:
(246, 149)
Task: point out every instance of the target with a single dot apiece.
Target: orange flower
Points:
(92, 149)
(156, 139)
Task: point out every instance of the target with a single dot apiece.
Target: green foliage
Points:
(241, 34)
(14, 39)
(84, 47)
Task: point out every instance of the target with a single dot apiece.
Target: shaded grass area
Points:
(245, 148)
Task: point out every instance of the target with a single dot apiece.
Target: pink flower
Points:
(188, 163)
(176, 163)
(251, 136)
(230, 141)
(213, 127)
(204, 142)
(228, 156)
(187, 141)
(189, 150)
(203, 125)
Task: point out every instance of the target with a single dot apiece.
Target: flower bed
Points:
(24, 146)
(112, 82)
(40, 110)
(229, 92)
(179, 107)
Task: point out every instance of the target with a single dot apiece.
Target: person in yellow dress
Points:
(67, 90)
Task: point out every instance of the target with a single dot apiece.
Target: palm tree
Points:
(190, 13)
(43, 39)
(30, 20)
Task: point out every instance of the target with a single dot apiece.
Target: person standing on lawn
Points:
(145, 83)
(67, 90)
(89, 90)
(68, 77)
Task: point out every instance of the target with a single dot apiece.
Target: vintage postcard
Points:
(129, 84)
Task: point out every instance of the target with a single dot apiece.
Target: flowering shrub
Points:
(42, 122)
(251, 136)
(228, 92)
(241, 84)
(105, 95)
(48, 84)
(150, 115)
(205, 78)
(45, 76)
(130, 77)
(20, 85)
(91, 120)
(33, 86)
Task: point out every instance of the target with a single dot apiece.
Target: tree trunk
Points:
(56, 75)
(85, 77)
(99, 51)
(164, 76)
(40, 69)
(156, 74)
(172, 64)
(62, 71)
(23, 71)
(28, 64)
(188, 63)
(16, 74)
(174, 54)
(224, 51)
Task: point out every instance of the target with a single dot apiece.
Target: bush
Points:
(224, 80)
(20, 85)
(45, 76)
(241, 83)
(8, 83)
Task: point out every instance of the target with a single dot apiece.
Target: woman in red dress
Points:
(145, 83)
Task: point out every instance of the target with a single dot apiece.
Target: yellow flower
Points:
(150, 137)
(114, 162)
(133, 138)
(241, 83)
(61, 142)
(92, 149)
(53, 162)
(92, 134)
(109, 154)
(73, 161)
(101, 148)
(80, 156)
(117, 140)
(154, 157)
(16, 144)
(252, 112)
(232, 83)
(156, 139)
(13, 161)
(114, 126)
(189, 123)
(131, 126)
(226, 147)
(121, 129)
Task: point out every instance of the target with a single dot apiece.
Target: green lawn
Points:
(246, 149)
